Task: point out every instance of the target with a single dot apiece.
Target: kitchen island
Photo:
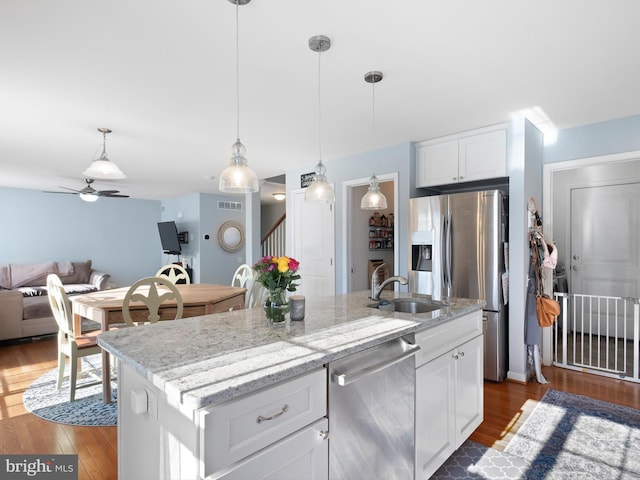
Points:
(203, 397)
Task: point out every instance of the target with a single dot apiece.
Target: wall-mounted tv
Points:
(169, 237)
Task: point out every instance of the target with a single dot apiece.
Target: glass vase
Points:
(276, 307)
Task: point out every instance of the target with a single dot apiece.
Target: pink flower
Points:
(293, 264)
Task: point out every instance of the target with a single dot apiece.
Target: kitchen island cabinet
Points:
(190, 389)
(449, 390)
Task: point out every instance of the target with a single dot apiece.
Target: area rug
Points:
(573, 436)
(43, 399)
(474, 461)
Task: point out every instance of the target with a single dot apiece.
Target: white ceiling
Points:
(161, 75)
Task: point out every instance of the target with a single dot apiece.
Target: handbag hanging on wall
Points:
(547, 309)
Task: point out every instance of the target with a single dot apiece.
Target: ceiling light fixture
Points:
(238, 176)
(103, 168)
(89, 197)
(279, 196)
(374, 199)
(319, 191)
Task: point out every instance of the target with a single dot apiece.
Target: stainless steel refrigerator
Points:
(457, 249)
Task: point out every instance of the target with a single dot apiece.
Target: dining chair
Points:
(72, 345)
(245, 277)
(174, 272)
(152, 292)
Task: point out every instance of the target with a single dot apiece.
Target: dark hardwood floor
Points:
(506, 406)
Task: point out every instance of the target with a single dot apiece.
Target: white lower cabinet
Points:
(245, 433)
(278, 432)
(449, 392)
(302, 455)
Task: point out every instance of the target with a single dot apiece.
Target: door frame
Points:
(548, 169)
(347, 224)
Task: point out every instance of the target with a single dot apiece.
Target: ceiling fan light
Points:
(89, 197)
(104, 169)
(374, 199)
(279, 196)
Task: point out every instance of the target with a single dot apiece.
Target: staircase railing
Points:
(273, 242)
(598, 334)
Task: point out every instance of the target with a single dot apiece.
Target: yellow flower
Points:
(283, 264)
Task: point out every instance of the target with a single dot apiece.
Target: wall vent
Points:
(224, 205)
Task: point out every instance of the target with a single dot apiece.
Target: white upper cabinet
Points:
(476, 155)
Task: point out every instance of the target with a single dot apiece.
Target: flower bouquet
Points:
(278, 275)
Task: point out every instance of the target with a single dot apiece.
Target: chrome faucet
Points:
(377, 288)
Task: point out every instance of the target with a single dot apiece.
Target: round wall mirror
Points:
(231, 236)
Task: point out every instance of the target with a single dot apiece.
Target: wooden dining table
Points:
(105, 308)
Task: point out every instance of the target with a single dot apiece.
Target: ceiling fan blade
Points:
(72, 189)
(108, 192)
(66, 193)
(112, 195)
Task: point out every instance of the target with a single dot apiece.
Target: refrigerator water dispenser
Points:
(421, 257)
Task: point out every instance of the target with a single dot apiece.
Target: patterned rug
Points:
(44, 400)
(566, 436)
(573, 436)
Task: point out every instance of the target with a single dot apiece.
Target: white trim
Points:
(347, 185)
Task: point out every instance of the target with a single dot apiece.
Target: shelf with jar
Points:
(381, 232)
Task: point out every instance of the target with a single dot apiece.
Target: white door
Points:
(314, 246)
(605, 241)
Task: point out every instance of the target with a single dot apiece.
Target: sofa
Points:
(24, 306)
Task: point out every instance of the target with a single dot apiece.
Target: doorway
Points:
(592, 217)
(367, 244)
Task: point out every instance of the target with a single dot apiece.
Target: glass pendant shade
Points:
(103, 168)
(374, 199)
(238, 176)
(320, 191)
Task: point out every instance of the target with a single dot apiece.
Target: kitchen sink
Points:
(408, 305)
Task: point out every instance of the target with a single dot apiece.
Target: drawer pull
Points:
(261, 419)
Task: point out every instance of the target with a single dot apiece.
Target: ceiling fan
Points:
(90, 194)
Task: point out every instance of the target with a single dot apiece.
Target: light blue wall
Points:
(120, 236)
(398, 158)
(602, 138)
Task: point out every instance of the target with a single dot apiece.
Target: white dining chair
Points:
(175, 273)
(152, 292)
(245, 277)
(71, 344)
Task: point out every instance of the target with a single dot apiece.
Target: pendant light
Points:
(103, 168)
(374, 199)
(319, 191)
(238, 176)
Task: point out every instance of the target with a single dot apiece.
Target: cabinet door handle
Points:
(455, 356)
(324, 434)
(261, 419)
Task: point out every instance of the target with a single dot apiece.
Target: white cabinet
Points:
(449, 390)
(278, 432)
(462, 158)
(302, 455)
(235, 430)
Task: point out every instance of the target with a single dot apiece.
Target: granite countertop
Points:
(205, 360)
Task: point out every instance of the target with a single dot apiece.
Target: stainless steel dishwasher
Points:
(371, 413)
